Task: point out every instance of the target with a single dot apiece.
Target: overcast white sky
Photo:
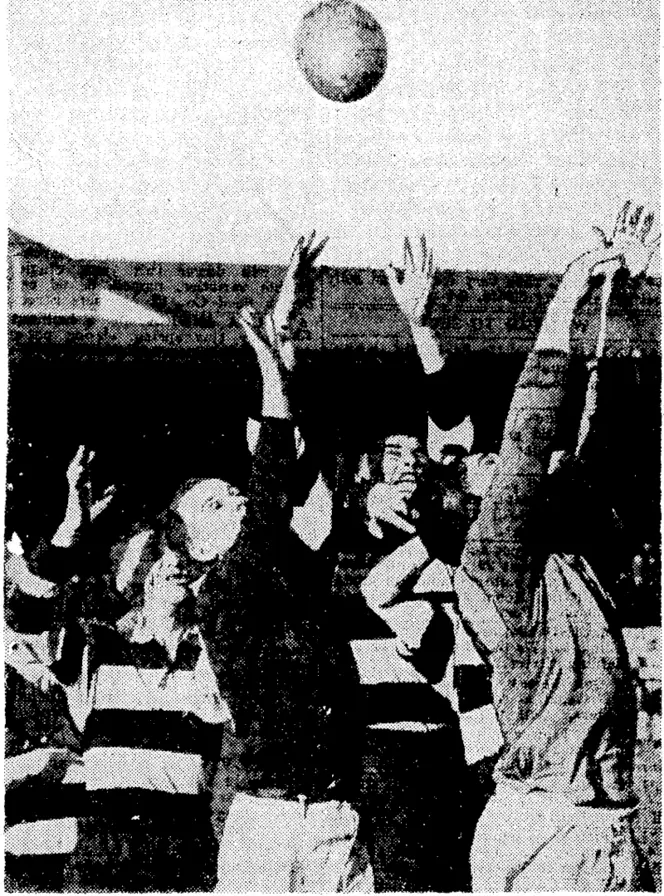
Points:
(183, 129)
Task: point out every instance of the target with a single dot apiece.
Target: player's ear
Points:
(491, 462)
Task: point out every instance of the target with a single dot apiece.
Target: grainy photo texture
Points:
(332, 518)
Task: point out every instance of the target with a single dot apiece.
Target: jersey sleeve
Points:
(499, 555)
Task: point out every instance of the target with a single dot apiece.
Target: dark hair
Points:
(445, 511)
(151, 550)
(376, 452)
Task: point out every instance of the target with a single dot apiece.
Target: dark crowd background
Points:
(157, 418)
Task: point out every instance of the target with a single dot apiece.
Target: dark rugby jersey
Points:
(289, 680)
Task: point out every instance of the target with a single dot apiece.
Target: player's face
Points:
(479, 472)
(404, 460)
(212, 512)
(167, 583)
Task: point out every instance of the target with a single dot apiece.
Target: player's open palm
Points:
(80, 485)
(295, 293)
(266, 353)
(298, 283)
(411, 285)
(631, 237)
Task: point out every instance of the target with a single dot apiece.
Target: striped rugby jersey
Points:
(41, 810)
(396, 695)
(152, 730)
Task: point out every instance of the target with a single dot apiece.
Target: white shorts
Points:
(288, 846)
(536, 842)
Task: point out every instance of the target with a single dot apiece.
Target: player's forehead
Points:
(205, 491)
(399, 443)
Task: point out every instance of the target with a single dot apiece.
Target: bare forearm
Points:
(275, 398)
(428, 348)
(69, 529)
(386, 579)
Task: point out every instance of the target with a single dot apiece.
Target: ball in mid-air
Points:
(341, 50)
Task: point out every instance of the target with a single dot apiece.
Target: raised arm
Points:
(63, 556)
(295, 294)
(499, 556)
(411, 288)
(271, 484)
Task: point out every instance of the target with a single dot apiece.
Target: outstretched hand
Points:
(296, 292)
(266, 353)
(411, 285)
(630, 237)
(627, 248)
(80, 484)
(81, 509)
